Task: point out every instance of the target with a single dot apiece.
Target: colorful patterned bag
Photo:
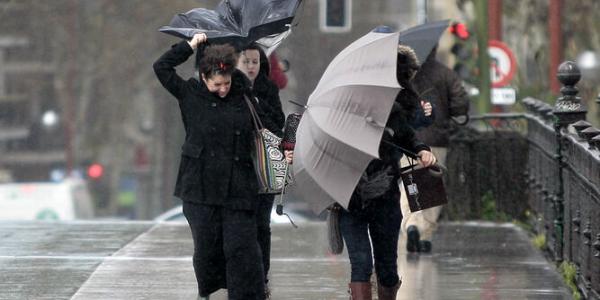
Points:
(269, 162)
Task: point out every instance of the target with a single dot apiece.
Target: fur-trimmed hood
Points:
(407, 56)
(406, 66)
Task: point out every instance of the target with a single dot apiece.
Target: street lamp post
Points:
(567, 110)
(422, 11)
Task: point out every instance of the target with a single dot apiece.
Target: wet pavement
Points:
(144, 260)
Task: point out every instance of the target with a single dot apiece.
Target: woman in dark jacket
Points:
(216, 178)
(254, 63)
(374, 209)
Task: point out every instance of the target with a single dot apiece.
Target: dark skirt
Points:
(226, 251)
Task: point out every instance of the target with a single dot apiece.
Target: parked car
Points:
(65, 200)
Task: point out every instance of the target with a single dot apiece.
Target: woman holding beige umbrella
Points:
(347, 150)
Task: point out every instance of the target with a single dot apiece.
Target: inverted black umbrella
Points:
(238, 22)
(422, 38)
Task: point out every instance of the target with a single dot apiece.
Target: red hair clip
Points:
(222, 66)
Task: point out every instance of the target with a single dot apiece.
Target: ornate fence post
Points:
(568, 109)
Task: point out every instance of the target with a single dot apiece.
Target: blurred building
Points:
(31, 137)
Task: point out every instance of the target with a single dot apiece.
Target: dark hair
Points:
(405, 69)
(217, 60)
(265, 67)
(407, 98)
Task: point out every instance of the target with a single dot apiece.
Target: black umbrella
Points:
(238, 22)
(422, 38)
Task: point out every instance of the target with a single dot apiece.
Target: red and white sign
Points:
(503, 64)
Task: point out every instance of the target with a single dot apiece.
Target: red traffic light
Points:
(460, 30)
(95, 171)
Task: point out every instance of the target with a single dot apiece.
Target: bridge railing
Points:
(572, 228)
(541, 167)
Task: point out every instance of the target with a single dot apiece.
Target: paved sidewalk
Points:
(144, 260)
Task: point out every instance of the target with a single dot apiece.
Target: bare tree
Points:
(102, 51)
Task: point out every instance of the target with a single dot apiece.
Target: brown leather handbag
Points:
(424, 187)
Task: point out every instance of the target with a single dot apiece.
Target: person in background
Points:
(216, 179)
(443, 88)
(254, 64)
(277, 71)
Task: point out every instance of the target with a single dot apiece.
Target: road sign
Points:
(503, 96)
(503, 64)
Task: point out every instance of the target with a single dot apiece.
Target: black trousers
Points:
(226, 251)
(381, 221)
(263, 222)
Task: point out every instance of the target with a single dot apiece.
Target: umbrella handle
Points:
(279, 207)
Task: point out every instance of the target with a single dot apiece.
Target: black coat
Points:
(379, 182)
(443, 88)
(216, 166)
(268, 98)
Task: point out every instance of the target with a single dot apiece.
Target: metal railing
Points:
(542, 166)
(578, 239)
(486, 163)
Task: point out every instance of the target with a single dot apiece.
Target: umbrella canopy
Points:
(422, 38)
(238, 22)
(342, 126)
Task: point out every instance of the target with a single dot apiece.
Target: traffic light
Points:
(462, 55)
(97, 183)
(460, 30)
(95, 171)
(463, 51)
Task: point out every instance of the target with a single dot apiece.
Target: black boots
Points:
(414, 242)
(412, 239)
(360, 291)
(424, 246)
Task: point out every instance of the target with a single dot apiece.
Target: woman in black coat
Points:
(216, 178)
(254, 63)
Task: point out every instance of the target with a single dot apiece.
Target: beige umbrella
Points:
(345, 117)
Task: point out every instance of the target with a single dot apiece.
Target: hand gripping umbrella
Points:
(341, 128)
(239, 22)
(422, 38)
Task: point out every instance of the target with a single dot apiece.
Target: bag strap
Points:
(255, 119)
(436, 170)
(411, 165)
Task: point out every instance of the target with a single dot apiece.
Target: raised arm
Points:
(164, 67)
